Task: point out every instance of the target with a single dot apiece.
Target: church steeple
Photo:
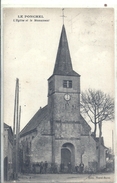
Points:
(63, 65)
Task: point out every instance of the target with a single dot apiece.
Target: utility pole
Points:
(19, 165)
(16, 126)
(17, 129)
(19, 119)
(14, 133)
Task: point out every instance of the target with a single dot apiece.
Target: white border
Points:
(58, 4)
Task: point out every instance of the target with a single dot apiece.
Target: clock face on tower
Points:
(67, 97)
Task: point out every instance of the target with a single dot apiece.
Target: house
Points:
(8, 152)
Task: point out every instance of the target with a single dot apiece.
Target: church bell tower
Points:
(64, 97)
(64, 85)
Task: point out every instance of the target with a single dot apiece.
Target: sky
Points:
(30, 49)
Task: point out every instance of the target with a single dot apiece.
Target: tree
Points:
(99, 107)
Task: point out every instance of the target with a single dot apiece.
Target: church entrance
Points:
(65, 156)
(68, 155)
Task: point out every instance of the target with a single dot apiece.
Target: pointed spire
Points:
(63, 65)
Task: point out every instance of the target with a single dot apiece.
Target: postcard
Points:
(58, 73)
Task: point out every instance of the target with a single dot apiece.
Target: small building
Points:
(8, 151)
(58, 133)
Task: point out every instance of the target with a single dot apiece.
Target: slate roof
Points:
(85, 125)
(6, 126)
(63, 65)
(40, 116)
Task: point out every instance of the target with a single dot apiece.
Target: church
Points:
(58, 133)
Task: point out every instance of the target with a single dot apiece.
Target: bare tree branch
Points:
(97, 105)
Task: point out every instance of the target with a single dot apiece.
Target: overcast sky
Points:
(30, 50)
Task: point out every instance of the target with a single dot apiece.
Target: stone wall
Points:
(84, 148)
(5, 143)
(59, 108)
(88, 147)
(57, 84)
(102, 157)
(67, 130)
(39, 144)
(41, 149)
(65, 110)
(8, 151)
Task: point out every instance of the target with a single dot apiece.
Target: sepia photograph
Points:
(59, 92)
